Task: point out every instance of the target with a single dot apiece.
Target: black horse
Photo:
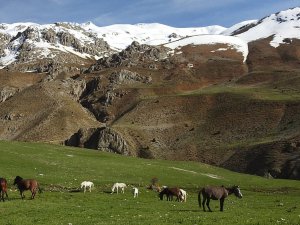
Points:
(217, 193)
(3, 188)
(27, 184)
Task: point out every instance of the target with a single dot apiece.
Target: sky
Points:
(176, 13)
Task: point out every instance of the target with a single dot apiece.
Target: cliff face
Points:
(103, 139)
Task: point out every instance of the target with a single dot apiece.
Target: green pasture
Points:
(60, 170)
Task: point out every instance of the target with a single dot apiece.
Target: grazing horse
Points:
(135, 192)
(3, 188)
(217, 193)
(86, 184)
(117, 186)
(170, 192)
(27, 184)
(183, 195)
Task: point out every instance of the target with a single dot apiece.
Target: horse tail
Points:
(199, 199)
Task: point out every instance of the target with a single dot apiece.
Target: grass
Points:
(60, 170)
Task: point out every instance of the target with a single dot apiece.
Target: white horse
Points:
(183, 195)
(118, 185)
(135, 192)
(86, 184)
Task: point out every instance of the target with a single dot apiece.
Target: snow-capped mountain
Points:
(24, 42)
(72, 43)
(119, 36)
(281, 25)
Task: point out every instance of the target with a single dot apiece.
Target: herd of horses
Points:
(208, 193)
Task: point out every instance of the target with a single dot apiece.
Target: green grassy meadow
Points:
(60, 170)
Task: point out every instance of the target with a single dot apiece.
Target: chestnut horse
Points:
(217, 193)
(170, 192)
(3, 188)
(27, 184)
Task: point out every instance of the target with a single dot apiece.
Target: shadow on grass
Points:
(187, 210)
(75, 190)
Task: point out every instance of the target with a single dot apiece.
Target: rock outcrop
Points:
(103, 139)
(37, 49)
(134, 55)
(7, 92)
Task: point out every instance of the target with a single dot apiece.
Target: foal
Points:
(135, 192)
(217, 193)
(27, 184)
(86, 184)
(3, 188)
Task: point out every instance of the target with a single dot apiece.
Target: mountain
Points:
(224, 96)
(280, 26)
(26, 44)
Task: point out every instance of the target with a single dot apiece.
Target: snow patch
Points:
(191, 171)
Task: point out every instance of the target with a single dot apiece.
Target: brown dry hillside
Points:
(41, 110)
(198, 104)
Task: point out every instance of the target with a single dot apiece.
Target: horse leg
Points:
(207, 204)
(221, 204)
(22, 195)
(32, 193)
(203, 203)
(2, 195)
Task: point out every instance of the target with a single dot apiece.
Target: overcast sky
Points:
(177, 13)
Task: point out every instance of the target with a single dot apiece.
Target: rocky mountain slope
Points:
(227, 97)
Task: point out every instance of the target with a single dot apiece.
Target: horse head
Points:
(161, 194)
(237, 192)
(17, 180)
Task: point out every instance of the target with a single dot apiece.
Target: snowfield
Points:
(119, 36)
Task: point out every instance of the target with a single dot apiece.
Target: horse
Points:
(27, 184)
(170, 192)
(217, 193)
(3, 188)
(135, 192)
(183, 195)
(86, 184)
(117, 186)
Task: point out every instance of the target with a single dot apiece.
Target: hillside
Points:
(60, 170)
(226, 97)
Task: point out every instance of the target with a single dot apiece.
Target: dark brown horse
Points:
(3, 188)
(170, 192)
(27, 184)
(217, 193)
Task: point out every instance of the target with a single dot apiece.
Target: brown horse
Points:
(27, 184)
(217, 193)
(3, 188)
(170, 192)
